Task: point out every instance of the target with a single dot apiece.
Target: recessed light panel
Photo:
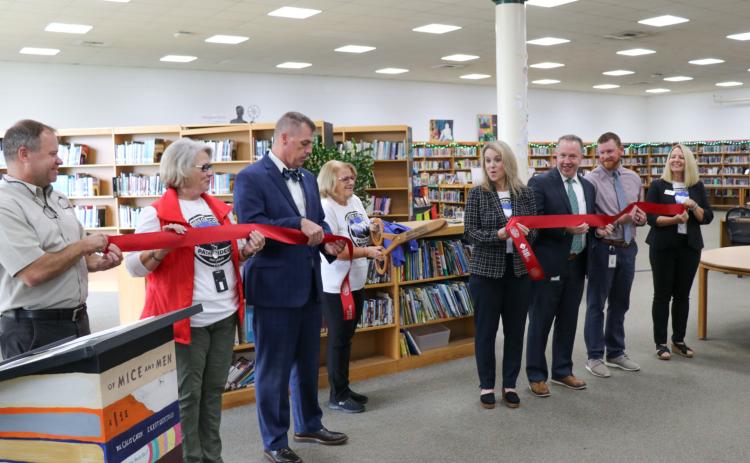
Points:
(293, 65)
(179, 58)
(391, 71)
(547, 65)
(436, 28)
(659, 90)
(476, 76)
(460, 57)
(617, 73)
(728, 84)
(549, 3)
(704, 62)
(39, 51)
(546, 81)
(606, 86)
(547, 41)
(68, 28)
(636, 52)
(662, 21)
(745, 36)
(354, 49)
(295, 13)
(228, 39)
(678, 79)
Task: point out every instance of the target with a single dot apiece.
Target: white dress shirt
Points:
(578, 189)
(295, 188)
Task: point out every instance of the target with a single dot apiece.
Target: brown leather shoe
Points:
(571, 382)
(539, 389)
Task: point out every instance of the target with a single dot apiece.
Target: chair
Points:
(738, 225)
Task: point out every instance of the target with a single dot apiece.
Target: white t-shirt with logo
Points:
(508, 210)
(680, 195)
(352, 222)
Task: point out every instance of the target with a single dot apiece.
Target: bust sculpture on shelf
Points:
(240, 113)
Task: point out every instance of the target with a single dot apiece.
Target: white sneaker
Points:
(623, 362)
(597, 368)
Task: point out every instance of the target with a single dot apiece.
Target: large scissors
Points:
(379, 236)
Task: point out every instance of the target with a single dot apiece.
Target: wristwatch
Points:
(245, 256)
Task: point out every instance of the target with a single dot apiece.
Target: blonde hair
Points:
(178, 160)
(515, 185)
(327, 177)
(691, 176)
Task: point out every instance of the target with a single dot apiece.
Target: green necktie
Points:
(577, 246)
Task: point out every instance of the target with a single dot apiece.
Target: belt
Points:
(619, 244)
(574, 256)
(48, 314)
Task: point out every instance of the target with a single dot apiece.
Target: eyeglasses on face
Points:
(352, 178)
(204, 167)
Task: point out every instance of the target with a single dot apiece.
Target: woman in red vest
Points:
(208, 274)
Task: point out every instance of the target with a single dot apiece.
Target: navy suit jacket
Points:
(281, 274)
(552, 245)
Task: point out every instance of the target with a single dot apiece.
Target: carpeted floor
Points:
(682, 410)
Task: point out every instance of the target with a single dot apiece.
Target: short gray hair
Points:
(176, 169)
(572, 138)
(23, 134)
(291, 122)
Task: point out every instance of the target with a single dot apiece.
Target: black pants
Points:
(674, 271)
(555, 301)
(494, 298)
(20, 336)
(340, 335)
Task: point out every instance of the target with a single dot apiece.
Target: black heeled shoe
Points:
(511, 399)
(660, 351)
(682, 349)
(487, 400)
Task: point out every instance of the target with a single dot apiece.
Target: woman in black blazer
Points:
(499, 284)
(676, 244)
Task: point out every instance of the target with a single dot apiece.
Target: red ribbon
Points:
(572, 220)
(206, 235)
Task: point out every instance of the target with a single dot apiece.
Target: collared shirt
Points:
(606, 196)
(26, 234)
(295, 188)
(578, 189)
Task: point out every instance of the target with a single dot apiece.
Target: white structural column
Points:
(512, 79)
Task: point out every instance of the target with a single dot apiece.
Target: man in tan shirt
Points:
(45, 255)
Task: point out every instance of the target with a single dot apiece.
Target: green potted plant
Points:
(360, 159)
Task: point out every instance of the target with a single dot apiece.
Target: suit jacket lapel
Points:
(495, 200)
(589, 194)
(278, 179)
(307, 185)
(561, 188)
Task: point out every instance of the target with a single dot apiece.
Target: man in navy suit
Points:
(283, 283)
(563, 255)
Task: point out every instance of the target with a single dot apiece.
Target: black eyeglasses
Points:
(48, 211)
(204, 167)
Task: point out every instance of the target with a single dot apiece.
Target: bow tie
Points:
(293, 174)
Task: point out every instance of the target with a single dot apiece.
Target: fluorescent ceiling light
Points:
(229, 39)
(549, 3)
(436, 28)
(661, 21)
(745, 36)
(546, 81)
(678, 79)
(293, 65)
(728, 84)
(636, 52)
(547, 65)
(658, 90)
(459, 57)
(703, 62)
(606, 86)
(391, 71)
(68, 28)
(179, 58)
(292, 12)
(476, 76)
(547, 41)
(354, 49)
(617, 73)
(39, 51)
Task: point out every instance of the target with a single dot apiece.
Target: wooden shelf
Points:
(427, 280)
(90, 197)
(387, 189)
(456, 349)
(380, 285)
(437, 320)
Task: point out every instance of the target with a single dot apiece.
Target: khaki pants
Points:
(202, 370)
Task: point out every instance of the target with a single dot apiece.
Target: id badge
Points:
(220, 280)
(612, 257)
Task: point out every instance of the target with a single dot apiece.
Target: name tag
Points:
(669, 192)
(554, 279)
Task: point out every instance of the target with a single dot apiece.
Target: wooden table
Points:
(734, 260)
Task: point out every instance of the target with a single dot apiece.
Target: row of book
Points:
(712, 149)
(436, 258)
(432, 165)
(72, 154)
(466, 163)
(422, 201)
(222, 150)
(222, 184)
(77, 185)
(453, 196)
(138, 185)
(541, 151)
(642, 170)
(740, 148)
(452, 211)
(710, 159)
(381, 150)
(426, 178)
(459, 178)
(727, 193)
(633, 161)
(657, 170)
(375, 278)
(241, 374)
(140, 152)
(91, 216)
(377, 311)
(737, 160)
(467, 151)
(733, 170)
(661, 149)
(261, 147)
(658, 160)
(378, 206)
(736, 181)
(423, 303)
(539, 163)
(129, 215)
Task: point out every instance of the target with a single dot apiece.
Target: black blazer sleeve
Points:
(702, 200)
(539, 186)
(655, 192)
(530, 208)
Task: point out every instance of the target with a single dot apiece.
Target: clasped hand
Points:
(503, 234)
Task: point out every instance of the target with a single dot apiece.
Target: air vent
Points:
(89, 43)
(447, 66)
(629, 35)
(641, 82)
